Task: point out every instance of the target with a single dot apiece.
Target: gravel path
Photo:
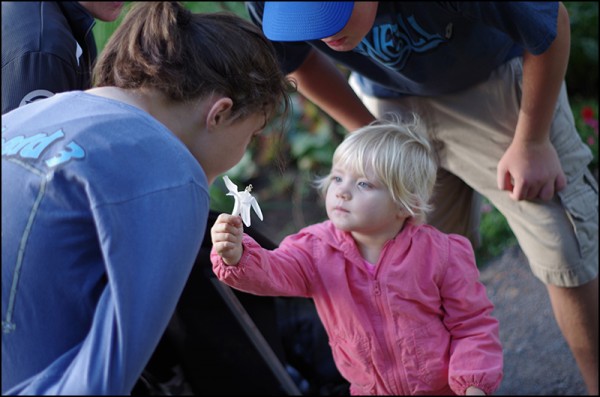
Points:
(537, 360)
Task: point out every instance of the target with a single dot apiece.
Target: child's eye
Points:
(335, 178)
(364, 185)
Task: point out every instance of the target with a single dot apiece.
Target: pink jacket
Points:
(421, 324)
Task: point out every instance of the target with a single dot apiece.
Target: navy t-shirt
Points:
(47, 47)
(432, 48)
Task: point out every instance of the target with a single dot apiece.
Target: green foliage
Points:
(585, 112)
(312, 140)
(495, 234)
(582, 73)
(103, 30)
(236, 7)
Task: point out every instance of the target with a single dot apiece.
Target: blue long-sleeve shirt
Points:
(103, 215)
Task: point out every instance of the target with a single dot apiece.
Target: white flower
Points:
(243, 201)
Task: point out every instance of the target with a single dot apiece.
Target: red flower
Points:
(587, 112)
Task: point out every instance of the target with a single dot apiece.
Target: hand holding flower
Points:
(227, 234)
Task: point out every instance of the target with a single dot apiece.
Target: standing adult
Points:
(105, 194)
(487, 78)
(49, 47)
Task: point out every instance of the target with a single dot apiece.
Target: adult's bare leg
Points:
(576, 312)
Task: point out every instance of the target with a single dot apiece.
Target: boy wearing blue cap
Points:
(487, 78)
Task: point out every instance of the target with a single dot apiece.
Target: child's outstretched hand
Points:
(226, 235)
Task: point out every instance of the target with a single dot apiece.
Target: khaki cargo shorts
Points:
(471, 130)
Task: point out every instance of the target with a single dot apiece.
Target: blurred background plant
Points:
(282, 164)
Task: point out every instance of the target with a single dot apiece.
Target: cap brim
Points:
(305, 20)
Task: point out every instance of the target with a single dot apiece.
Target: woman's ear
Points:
(219, 112)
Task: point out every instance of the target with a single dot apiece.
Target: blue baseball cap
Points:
(305, 20)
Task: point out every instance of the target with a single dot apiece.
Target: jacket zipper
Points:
(388, 356)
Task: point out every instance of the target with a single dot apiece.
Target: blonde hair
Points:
(400, 157)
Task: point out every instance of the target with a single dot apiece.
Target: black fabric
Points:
(307, 349)
(39, 41)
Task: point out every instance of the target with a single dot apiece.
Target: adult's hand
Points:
(530, 170)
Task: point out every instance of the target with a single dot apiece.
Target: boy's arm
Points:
(530, 167)
(321, 82)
